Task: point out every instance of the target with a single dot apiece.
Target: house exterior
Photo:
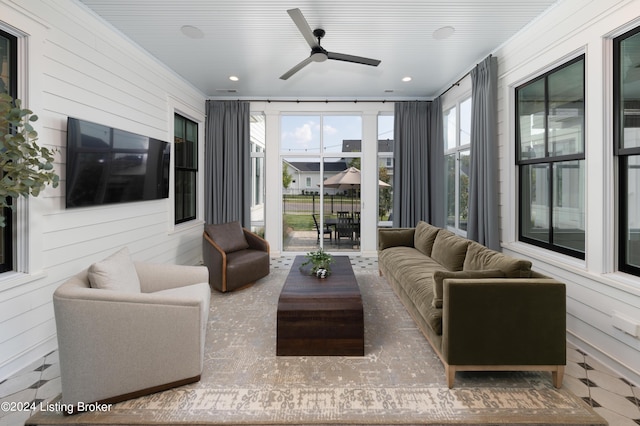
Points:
(73, 64)
(306, 175)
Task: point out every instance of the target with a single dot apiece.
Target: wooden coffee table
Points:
(321, 316)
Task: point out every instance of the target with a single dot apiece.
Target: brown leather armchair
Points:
(235, 256)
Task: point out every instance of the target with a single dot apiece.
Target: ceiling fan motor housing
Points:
(319, 54)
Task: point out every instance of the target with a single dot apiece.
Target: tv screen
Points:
(107, 165)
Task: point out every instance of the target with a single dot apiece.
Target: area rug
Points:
(400, 380)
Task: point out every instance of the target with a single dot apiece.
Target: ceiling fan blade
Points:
(297, 68)
(303, 26)
(352, 58)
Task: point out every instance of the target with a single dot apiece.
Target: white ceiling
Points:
(257, 41)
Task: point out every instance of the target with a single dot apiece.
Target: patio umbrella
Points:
(347, 179)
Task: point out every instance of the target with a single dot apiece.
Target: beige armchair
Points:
(116, 345)
(235, 256)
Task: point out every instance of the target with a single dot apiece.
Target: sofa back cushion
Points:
(229, 236)
(395, 237)
(480, 257)
(117, 272)
(449, 250)
(440, 276)
(424, 237)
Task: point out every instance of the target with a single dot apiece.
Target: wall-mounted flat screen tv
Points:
(107, 165)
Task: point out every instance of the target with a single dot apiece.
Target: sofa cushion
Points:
(449, 250)
(480, 257)
(117, 272)
(229, 236)
(440, 276)
(424, 237)
(395, 237)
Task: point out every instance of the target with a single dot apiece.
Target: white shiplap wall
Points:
(595, 291)
(75, 65)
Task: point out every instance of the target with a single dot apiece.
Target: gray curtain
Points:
(483, 225)
(436, 165)
(227, 163)
(418, 175)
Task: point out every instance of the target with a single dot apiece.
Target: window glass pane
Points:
(566, 110)
(185, 195)
(186, 143)
(630, 91)
(465, 122)
(385, 192)
(633, 212)
(192, 131)
(568, 205)
(4, 251)
(450, 129)
(342, 133)
(463, 192)
(531, 111)
(300, 134)
(534, 202)
(385, 133)
(5, 65)
(257, 131)
(179, 142)
(385, 169)
(451, 189)
(300, 202)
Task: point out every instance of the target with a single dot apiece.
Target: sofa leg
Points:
(450, 372)
(557, 376)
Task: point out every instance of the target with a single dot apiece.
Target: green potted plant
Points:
(320, 263)
(25, 167)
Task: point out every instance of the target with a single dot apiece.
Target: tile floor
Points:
(613, 397)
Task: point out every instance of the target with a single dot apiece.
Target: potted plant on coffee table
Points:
(320, 263)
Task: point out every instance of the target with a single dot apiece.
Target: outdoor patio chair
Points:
(326, 230)
(344, 229)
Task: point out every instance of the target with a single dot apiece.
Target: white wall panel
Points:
(595, 292)
(78, 66)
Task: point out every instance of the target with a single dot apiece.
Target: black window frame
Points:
(183, 168)
(548, 160)
(6, 259)
(623, 154)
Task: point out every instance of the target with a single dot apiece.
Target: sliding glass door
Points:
(320, 160)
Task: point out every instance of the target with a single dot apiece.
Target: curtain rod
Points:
(326, 101)
(457, 83)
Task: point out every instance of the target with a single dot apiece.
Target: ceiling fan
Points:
(319, 53)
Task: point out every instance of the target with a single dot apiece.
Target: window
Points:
(550, 155)
(8, 84)
(186, 168)
(385, 170)
(627, 147)
(257, 131)
(457, 143)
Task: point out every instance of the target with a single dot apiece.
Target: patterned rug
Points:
(400, 380)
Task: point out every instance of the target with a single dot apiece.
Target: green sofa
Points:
(480, 309)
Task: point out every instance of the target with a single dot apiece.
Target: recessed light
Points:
(233, 78)
(444, 32)
(191, 31)
(406, 79)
